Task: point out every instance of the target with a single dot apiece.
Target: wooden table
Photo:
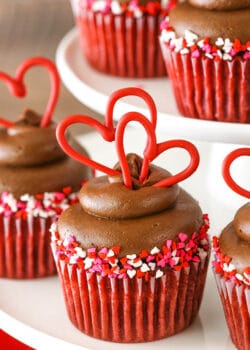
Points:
(31, 28)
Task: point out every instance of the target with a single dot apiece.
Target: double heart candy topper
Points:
(17, 86)
(226, 170)
(111, 133)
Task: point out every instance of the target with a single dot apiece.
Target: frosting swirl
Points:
(31, 161)
(235, 238)
(211, 24)
(220, 4)
(109, 214)
(107, 197)
(25, 143)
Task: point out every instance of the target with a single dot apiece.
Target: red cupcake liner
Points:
(209, 89)
(25, 250)
(121, 45)
(132, 310)
(236, 304)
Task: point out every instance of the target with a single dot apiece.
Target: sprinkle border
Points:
(223, 266)
(45, 205)
(223, 49)
(130, 9)
(105, 261)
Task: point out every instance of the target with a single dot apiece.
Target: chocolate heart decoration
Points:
(106, 130)
(230, 158)
(17, 87)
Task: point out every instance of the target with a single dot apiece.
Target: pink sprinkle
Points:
(91, 250)
(196, 53)
(182, 237)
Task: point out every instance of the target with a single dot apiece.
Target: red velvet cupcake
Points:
(37, 182)
(132, 255)
(232, 264)
(121, 37)
(206, 48)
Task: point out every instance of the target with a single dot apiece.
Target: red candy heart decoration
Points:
(107, 131)
(110, 133)
(189, 170)
(149, 151)
(132, 91)
(230, 158)
(17, 87)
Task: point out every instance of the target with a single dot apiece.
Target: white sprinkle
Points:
(80, 252)
(228, 267)
(99, 5)
(219, 42)
(154, 251)
(209, 55)
(110, 253)
(152, 266)
(131, 256)
(226, 57)
(158, 274)
(88, 263)
(239, 276)
(190, 37)
(135, 264)
(131, 273)
(184, 51)
(116, 8)
(145, 268)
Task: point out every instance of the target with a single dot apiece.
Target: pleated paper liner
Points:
(209, 89)
(121, 45)
(236, 304)
(132, 310)
(25, 250)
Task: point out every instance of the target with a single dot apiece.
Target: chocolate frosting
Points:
(235, 238)
(210, 23)
(220, 4)
(134, 219)
(31, 161)
(107, 197)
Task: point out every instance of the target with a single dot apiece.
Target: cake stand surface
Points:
(93, 89)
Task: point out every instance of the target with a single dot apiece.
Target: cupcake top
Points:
(216, 29)
(234, 240)
(122, 233)
(32, 162)
(135, 8)
(135, 220)
(111, 214)
(232, 248)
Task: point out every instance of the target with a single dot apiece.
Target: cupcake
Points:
(132, 255)
(232, 264)
(37, 182)
(120, 38)
(206, 49)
